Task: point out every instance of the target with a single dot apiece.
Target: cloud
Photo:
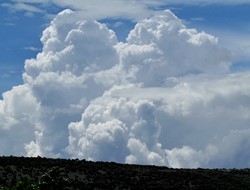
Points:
(93, 9)
(238, 43)
(131, 9)
(197, 19)
(31, 48)
(73, 54)
(18, 113)
(22, 7)
(156, 48)
(166, 96)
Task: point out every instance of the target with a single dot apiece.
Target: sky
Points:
(137, 81)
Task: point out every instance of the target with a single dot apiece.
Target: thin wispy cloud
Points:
(94, 9)
(22, 7)
(31, 48)
(197, 19)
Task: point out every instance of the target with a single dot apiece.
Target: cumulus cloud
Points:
(73, 54)
(165, 96)
(18, 113)
(162, 47)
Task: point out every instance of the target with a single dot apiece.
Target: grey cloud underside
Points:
(165, 96)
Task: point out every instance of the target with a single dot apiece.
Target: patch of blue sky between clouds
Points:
(121, 27)
(9, 78)
(240, 66)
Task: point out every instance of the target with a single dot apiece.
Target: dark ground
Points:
(43, 173)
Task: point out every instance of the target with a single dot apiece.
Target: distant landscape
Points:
(45, 173)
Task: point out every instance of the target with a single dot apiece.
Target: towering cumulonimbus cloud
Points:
(166, 96)
(161, 47)
(63, 76)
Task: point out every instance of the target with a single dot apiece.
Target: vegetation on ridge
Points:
(17, 173)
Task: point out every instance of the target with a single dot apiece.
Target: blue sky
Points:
(21, 29)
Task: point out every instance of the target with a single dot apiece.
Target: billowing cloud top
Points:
(165, 96)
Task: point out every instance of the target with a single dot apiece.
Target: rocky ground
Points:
(43, 173)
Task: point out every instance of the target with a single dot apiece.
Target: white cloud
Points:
(31, 48)
(99, 9)
(165, 96)
(197, 19)
(29, 9)
(72, 55)
(185, 157)
(94, 9)
(140, 154)
(238, 42)
(162, 47)
(18, 114)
